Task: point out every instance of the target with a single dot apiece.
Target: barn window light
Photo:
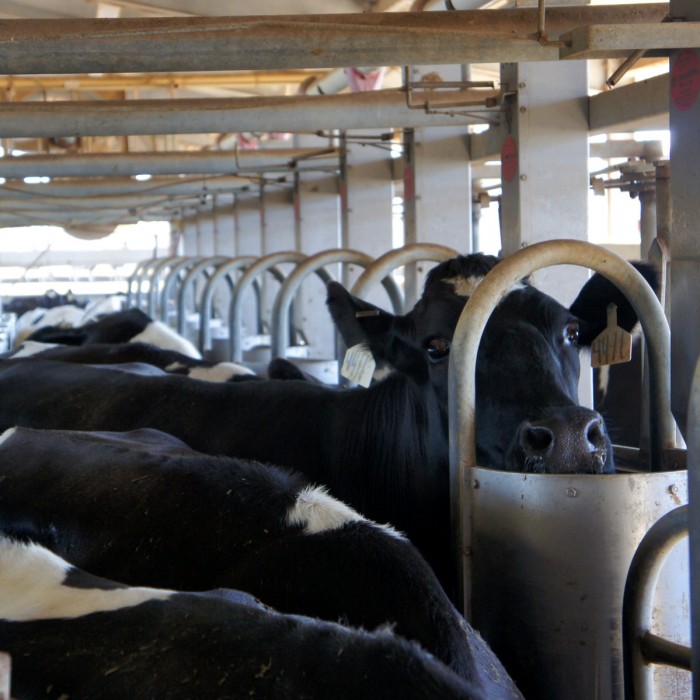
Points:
(37, 180)
(142, 178)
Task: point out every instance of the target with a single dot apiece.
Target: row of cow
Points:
(188, 502)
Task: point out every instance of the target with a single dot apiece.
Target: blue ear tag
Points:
(613, 345)
(358, 365)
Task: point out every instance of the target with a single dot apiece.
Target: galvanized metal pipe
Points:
(152, 304)
(171, 279)
(135, 281)
(280, 308)
(465, 344)
(115, 187)
(225, 271)
(638, 607)
(382, 267)
(203, 267)
(252, 273)
(308, 41)
(693, 435)
(161, 163)
(376, 109)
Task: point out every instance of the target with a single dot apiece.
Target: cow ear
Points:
(590, 306)
(358, 321)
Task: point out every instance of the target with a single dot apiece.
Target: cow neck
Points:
(403, 427)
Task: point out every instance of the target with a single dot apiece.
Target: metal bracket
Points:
(463, 105)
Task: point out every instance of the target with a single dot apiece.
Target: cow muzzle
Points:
(569, 440)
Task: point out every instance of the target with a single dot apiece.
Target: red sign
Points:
(509, 159)
(685, 79)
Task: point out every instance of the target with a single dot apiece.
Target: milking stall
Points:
(272, 184)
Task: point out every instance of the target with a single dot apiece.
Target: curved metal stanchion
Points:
(251, 274)
(171, 280)
(471, 324)
(225, 271)
(133, 295)
(157, 270)
(640, 646)
(201, 268)
(284, 297)
(694, 521)
(382, 267)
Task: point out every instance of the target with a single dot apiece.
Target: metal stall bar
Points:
(382, 267)
(223, 271)
(135, 281)
(693, 435)
(145, 274)
(285, 295)
(171, 280)
(462, 368)
(202, 267)
(251, 273)
(152, 303)
(641, 647)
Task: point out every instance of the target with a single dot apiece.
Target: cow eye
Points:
(571, 333)
(438, 349)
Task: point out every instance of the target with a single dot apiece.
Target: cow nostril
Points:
(595, 435)
(537, 439)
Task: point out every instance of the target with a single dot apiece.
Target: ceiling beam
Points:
(304, 41)
(642, 105)
(376, 109)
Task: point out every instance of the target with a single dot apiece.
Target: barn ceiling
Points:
(71, 125)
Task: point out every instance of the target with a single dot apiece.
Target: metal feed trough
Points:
(543, 558)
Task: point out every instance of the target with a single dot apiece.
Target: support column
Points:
(685, 231)
(544, 172)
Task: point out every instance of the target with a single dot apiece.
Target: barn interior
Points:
(152, 151)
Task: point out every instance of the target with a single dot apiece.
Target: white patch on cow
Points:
(221, 372)
(31, 579)
(317, 511)
(32, 347)
(464, 286)
(7, 435)
(157, 333)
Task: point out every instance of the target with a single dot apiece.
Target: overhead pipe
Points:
(165, 163)
(287, 41)
(114, 186)
(359, 110)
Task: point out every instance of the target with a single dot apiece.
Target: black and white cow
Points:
(73, 635)
(170, 361)
(129, 326)
(143, 507)
(384, 449)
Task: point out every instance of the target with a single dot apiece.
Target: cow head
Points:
(528, 417)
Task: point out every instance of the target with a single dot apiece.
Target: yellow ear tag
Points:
(613, 345)
(358, 365)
